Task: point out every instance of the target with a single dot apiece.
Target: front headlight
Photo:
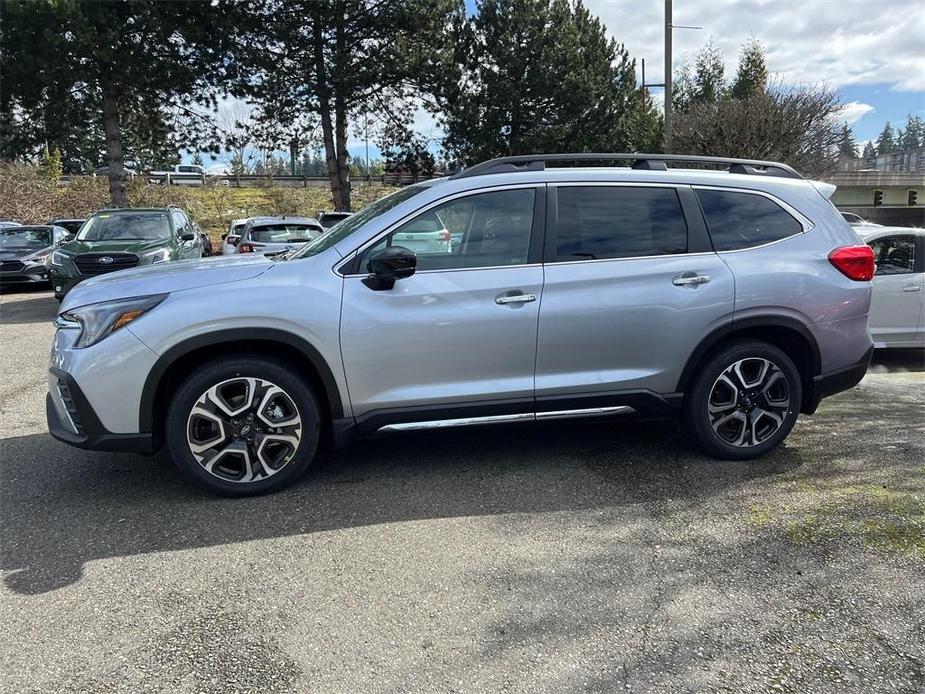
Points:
(98, 321)
(58, 258)
(161, 256)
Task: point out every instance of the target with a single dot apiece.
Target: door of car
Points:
(632, 286)
(458, 337)
(190, 248)
(897, 307)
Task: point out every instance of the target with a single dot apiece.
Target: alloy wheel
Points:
(244, 429)
(749, 402)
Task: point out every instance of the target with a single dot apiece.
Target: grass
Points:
(878, 517)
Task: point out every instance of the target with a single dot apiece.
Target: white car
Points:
(897, 309)
(231, 237)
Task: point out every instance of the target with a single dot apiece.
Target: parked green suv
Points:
(123, 238)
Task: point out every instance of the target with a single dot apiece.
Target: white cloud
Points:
(839, 43)
(854, 111)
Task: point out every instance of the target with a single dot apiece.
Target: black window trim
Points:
(698, 240)
(350, 267)
(805, 223)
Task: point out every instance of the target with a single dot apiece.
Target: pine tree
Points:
(752, 74)
(709, 75)
(846, 145)
(869, 151)
(886, 142)
(541, 76)
(913, 136)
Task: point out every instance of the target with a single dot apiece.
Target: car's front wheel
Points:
(242, 426)
(744, 401)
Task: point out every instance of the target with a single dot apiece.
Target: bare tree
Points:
(795, 125)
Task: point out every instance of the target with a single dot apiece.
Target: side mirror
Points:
(189, 236)
(393, 263)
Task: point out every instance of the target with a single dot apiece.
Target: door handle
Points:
(912, 288)
(689, 279)
(514, 299)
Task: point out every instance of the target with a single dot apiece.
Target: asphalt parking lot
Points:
(599, 556)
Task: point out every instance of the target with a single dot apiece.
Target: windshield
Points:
(22, 237)
(283, 233)
(142, 226)
(343, 229)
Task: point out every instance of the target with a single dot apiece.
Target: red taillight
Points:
(854, 262)
(445, 235)
(246, 248)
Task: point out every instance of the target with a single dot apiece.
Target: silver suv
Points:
(732, 297)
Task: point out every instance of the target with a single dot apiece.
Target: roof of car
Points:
(123, 210)
(285, 218)
(68, 219)
(868, 231)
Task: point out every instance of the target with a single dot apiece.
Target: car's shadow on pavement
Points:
(63, 507)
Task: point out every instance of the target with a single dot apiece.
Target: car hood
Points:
(18, 253)
(163, 278)
(139, 246)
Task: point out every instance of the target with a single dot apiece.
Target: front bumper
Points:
(62, 284)
(29, 274)
(834, 382)
(71, 419)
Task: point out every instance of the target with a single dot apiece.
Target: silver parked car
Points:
(733, 299)
(277, 234)
(897, 309)
(231, 237)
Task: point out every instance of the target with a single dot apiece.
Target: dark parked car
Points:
(329, 219)
(72, 225)
(24, 250)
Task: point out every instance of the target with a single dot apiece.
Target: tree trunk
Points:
(327, 127)
(113, 130)
(343, 168)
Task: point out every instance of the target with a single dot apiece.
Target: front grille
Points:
(89, 263)
(11, 266)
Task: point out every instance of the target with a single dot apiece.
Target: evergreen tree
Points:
(709, 75)
(540, 76)
(913, 136)
(869, 151)
(752, 74)
(118, 60)
(846, 144)
(886, 142)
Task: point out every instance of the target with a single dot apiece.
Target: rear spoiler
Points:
(825, 189)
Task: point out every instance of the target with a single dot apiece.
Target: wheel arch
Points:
(174, 364)
(787, 333)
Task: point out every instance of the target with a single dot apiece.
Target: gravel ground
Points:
(574, 557)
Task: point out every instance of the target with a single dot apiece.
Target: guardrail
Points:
(259, 180)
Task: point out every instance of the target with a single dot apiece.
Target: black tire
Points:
(748, 426)
(182, 426)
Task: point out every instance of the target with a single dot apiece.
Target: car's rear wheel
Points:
(243, 426)
(744, 401)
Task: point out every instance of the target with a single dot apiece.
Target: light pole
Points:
(668, 29)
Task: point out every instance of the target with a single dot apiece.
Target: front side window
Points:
(744, 220)
(596, 222)
(482, 230)
(894, 255)
(126, 226)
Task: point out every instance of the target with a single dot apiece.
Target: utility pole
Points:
(667, 64)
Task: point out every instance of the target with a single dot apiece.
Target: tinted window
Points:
(895, 255)
(619, 222)
(743, 220)
(283, 233)
(16, 237)
(484, 230)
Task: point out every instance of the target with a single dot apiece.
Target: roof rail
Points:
(652, 162)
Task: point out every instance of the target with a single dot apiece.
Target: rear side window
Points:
(745, 220)
(597, 222)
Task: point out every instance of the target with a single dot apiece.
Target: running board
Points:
(496, 419)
